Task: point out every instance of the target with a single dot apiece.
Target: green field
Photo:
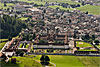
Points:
(39, 2)
(24, 62)
(2, 44)
(60, 7)
(86, 50)
(83, 44)
(73, 61)
(3, 39)
(23, 18)
(35, 1)
(58, 60)
(21, 45)
(8, 5)
(91, 9)
(98, 46)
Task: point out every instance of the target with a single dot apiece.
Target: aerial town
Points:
(40, 33)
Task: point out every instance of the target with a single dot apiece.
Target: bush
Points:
(20, 53)
(13, 60)
(96, 42)
(44, 60)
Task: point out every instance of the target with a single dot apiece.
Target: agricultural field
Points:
(83, 44)
(73, 61)
(91, 9)
(39, 2)
(2, 44)
(60, 7)
(35, 1)
(24, 62)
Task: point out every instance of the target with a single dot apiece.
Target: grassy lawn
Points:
(62, 8)
(59, 60)
(98, 46)
(90, 61)
(86, 50)
(91, 9)
(63, 61)
(35, 1)
(83, 44)
(24, 62)
(23, 18)
(3, 39)
(2, 44)
(39, 2)
(8, 5)
(73, 61)
(21, 45)
(27, 45)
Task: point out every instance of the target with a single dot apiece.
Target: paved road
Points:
(7, 53)
(63, 54)
(5, 46)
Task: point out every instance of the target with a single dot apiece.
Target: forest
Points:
(10, 26)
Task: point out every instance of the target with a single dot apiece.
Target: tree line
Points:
(10, 26)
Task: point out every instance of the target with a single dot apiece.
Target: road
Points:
(5, 46)
(63, 54)
(7, 53)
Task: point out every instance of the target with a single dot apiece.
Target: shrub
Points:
(44, 60)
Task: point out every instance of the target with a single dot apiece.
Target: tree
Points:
(42, 41)
(5, 5)
(86, 37)
(83, 3)
(50, 50)
(15, 15)
(86, 12)
(9, 38)
(20, 53)
(47, 59)
(34, 35)
(44, 60)
(8, 9)
(10, 26)
(57, 8)
(13, 60)
(96, 42)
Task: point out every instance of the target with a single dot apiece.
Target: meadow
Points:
(73, 61)
(5, 7)
(23, 62)
(90, 8)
